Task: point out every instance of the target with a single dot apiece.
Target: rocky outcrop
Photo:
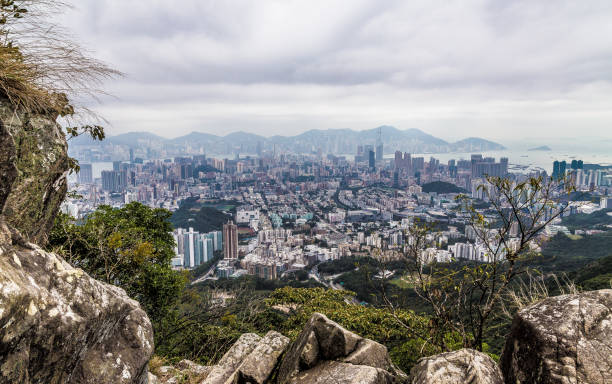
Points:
(58, 325)
(33, 169)
(562, 339)
(252, 359)
(457, 367)
(229, 363)
(326, 352)
(257, 367)
(185, 372)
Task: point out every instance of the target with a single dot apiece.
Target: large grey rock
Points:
(457, 367)
(323, 342)
(342, 373)
(8, 170)
(33, 169)
(225, 370)
(259, 364)
(371, 353)
(562, 339)
(58, 325)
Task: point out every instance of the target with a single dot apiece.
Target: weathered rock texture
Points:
(251, 359)
(259, 364)
(33, 169)
(457, 367)
(185, 372)
(325, 352)
(58, 325)
(563, 339)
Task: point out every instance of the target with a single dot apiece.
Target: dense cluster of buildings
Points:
(292, 211)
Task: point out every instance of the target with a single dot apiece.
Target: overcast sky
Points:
(501, 70)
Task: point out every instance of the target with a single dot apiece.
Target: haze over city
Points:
(500, 70)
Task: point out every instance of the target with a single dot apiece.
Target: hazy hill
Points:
(337, 141)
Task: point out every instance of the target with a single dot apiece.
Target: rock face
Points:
(58, 325)
(563, 339)
(33, 169)
(326, 352)
(457, 367)
(251, 359)
(259, 364)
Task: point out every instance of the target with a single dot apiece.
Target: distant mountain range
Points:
(337, 141)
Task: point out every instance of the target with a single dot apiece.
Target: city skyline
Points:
(488, 69)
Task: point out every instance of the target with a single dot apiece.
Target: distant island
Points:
(541, 148)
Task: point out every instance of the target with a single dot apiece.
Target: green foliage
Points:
(129, 247)
(596, 219)
(401, 331)
(344, 264)
(257, 284)
(442, 187)
(595, 275)
(8, 9)
(564, 254)
(202, 219)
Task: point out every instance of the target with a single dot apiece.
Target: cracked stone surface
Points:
(457, 367)
(324, 350)
(59, 325)
(562, 339)
(33, 170)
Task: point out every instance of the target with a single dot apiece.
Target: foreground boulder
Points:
(325, 352)
(457, 367)
(58, 325)
(251, 359)
(33, 169)
(563, 339)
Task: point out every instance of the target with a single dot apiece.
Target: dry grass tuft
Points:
(532, 289)
(156, 363)
(41, 68)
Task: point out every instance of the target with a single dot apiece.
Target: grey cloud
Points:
(271, 64)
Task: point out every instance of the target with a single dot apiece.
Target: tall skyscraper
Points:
(85, 174)
(379, 145)
(230, 239)
(372, 159)
(398, 160)
(114, 181)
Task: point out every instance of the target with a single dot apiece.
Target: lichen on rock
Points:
(562, 339)
(33, 169)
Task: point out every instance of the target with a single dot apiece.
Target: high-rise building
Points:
(230, 239)
(379, 151)
(555, 172)
(114, 181)
(483, 167)
(562, 168)
(85, 174)
(418, 163)
(398, 160)
(372, 159)
(379, 146)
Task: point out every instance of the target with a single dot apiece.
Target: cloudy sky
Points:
(503, 70)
